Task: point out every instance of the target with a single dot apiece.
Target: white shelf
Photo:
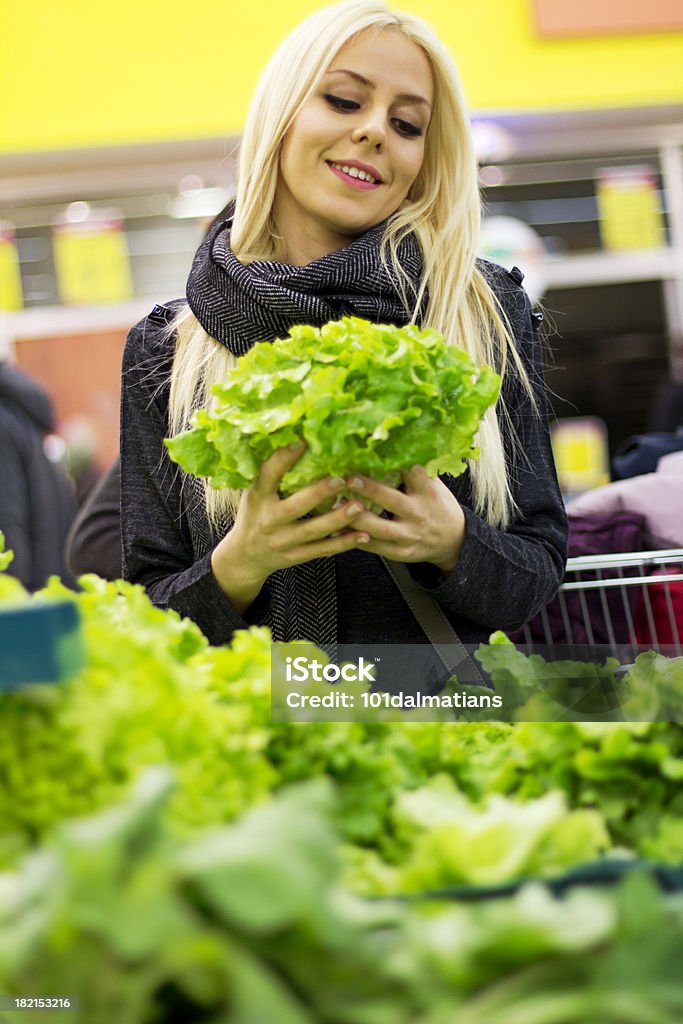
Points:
(613, 268)
(46, 321)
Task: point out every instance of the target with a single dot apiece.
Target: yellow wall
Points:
(95, 72)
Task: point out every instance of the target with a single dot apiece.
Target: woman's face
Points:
(356, 146)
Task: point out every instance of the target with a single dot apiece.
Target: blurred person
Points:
(357, 195)
(37, 501)
(94, 540)
(640, 455)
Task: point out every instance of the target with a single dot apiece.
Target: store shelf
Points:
(49, 321)
(597, 268)
(572, 271)
(546, 179)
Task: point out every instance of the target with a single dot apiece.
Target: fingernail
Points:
(357, 483)
(363, 539)
(298, 446)
(337, 482)
(353, 510)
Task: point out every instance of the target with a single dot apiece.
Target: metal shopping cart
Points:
(618, 605)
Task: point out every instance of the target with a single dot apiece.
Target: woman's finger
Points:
(308, 531)
(391, 530)
(385, 549)
(329, 546)
(416, 479)
(311, 497)
(274, 468)
(388, 498)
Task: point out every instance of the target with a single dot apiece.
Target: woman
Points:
(357, 194)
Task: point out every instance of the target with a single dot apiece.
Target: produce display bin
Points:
(39, 643)
(604, 873)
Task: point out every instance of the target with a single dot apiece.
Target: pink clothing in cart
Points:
(657, 496)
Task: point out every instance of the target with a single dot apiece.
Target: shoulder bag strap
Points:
(436, 626)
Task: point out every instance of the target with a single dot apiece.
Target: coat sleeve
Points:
(15, 512)
(504, 577)
(94, 540)
(157, 548)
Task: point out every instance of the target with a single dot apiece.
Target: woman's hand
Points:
(270, 533)
(428, 524)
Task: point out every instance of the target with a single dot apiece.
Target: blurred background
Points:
(119, 130)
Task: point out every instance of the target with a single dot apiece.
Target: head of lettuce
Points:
(366, 398)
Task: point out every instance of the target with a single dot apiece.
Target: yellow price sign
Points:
(581, 453)
(629, 208)
(92, 262)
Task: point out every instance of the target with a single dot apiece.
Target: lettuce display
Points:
(169, 854)
(151, 692)
(367, 398)
(626, 775)
(154, 692)
(251, 923)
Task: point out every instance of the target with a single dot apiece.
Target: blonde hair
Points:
(442, 210)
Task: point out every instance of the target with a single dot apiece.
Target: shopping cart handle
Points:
(39, 643)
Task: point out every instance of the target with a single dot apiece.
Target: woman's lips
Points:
(363, 186)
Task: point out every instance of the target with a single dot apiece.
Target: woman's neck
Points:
(302, 240)
(300, 251)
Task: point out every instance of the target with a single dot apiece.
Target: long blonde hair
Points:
(442, 210)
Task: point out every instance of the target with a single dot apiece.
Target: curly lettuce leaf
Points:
(366, 398)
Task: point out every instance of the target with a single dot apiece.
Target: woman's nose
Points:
(371, 132)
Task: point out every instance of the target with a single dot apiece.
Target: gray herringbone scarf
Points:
(240, 305)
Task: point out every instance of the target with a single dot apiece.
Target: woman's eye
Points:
(406, 128)
(339, 103)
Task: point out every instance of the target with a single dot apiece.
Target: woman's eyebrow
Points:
(410, 97)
